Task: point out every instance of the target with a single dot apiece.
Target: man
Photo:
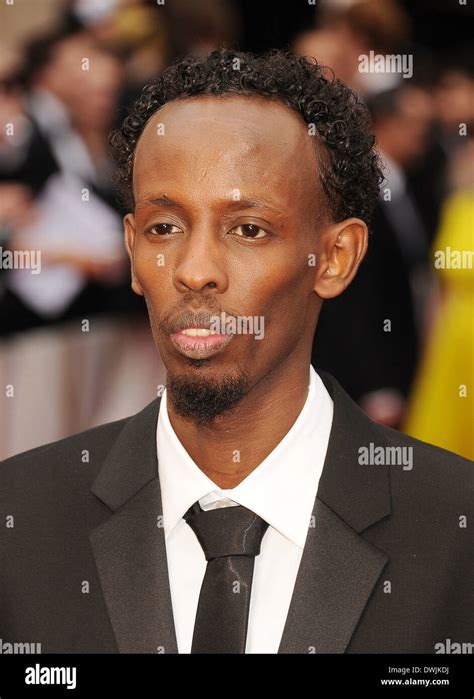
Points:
(254, 508)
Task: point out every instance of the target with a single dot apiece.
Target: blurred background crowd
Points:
(75, 349)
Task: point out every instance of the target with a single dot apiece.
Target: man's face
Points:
(226, 208)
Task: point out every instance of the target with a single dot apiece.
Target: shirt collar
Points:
(281, 489)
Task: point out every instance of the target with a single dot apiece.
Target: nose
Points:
(200, 265)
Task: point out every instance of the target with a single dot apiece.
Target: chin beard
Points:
(201, 399)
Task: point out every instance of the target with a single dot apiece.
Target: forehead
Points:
(224, 143)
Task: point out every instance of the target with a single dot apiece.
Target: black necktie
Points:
(230, 538)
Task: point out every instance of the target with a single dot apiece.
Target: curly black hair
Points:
(350, 171)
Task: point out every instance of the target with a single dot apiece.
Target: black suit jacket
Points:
(386, 566)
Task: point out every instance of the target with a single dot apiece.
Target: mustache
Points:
(177, 319)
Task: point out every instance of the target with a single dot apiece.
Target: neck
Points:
(233, 445)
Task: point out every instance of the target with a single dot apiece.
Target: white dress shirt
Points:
(281, 490)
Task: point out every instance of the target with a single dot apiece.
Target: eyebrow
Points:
(235, 204)
(163, 201)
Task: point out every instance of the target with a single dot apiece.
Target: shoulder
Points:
(376, 445)
(63, 453)
(428, 456)
(426, 475)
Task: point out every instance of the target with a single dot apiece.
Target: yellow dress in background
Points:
(441, 409)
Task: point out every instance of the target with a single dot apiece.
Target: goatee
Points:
(201, 399)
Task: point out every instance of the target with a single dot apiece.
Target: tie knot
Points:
(227, 531)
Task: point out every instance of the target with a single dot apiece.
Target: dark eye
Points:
(249, 230)
(163, 229)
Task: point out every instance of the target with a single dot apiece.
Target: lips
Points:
(199, 343)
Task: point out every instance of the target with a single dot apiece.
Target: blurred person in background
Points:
(441, 409)
(16, 198)
(60, 155)
(382, 311)
(197, 28)
(454, 95)
(449, 83)
(347, 30)
(148, 35)
(135, 30)
(70, 89)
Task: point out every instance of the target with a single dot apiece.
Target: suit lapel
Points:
(129, 547)
(337, 574)
(339, 569)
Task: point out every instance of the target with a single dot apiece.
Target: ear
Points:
(342, 247)
(129, 238)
